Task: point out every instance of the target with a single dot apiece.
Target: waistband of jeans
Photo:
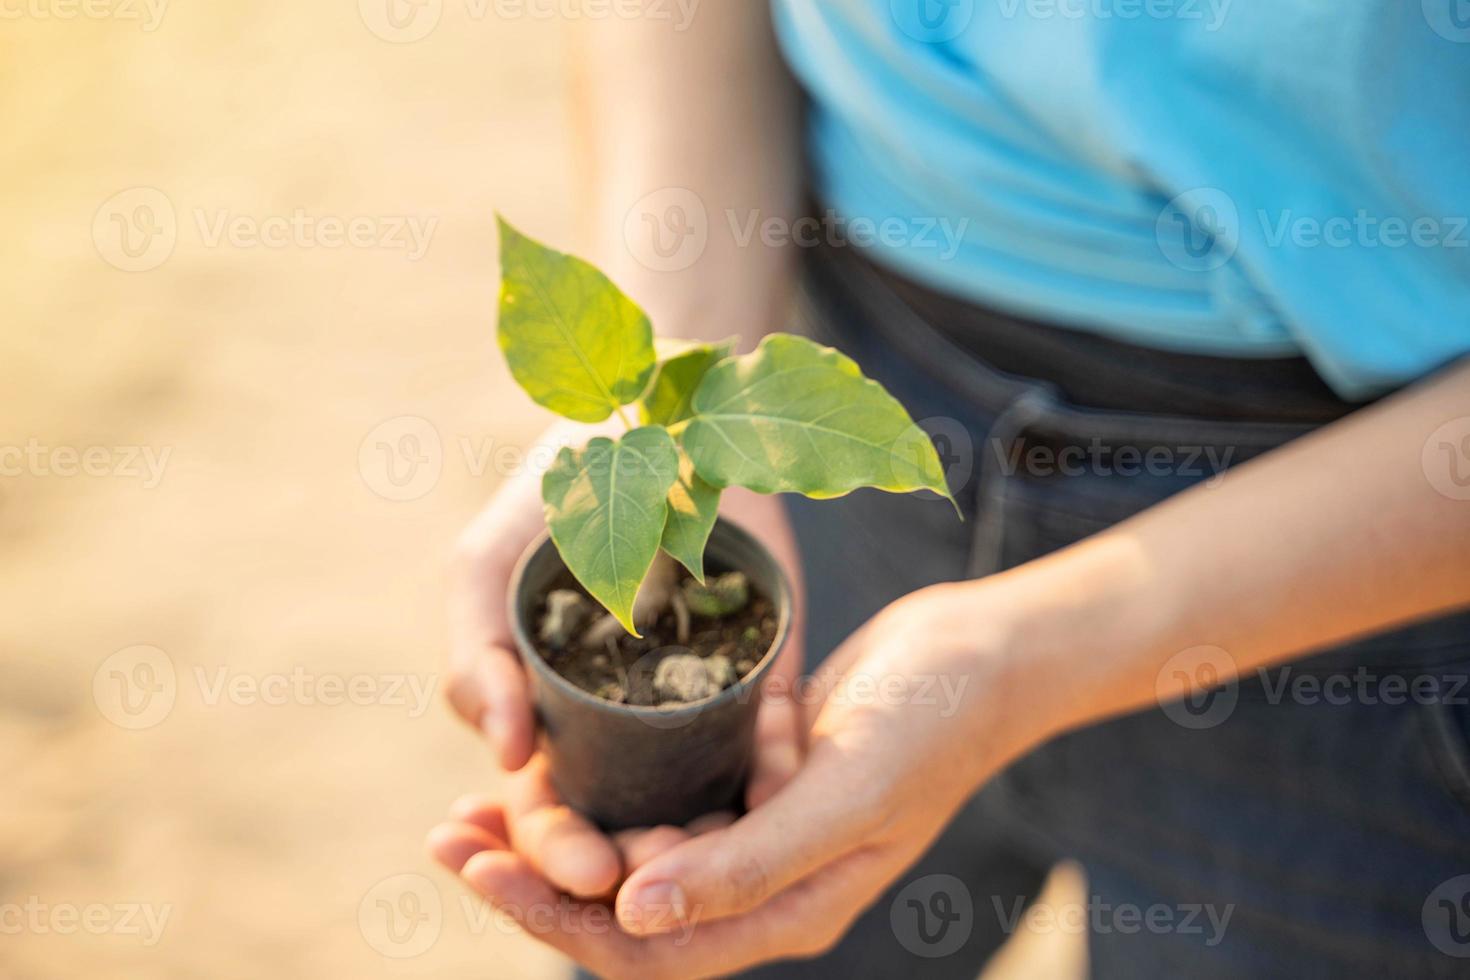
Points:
(847, 301)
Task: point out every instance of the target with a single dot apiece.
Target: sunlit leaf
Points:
(674, 380)
(572, 340)
(606, 509)
(693, 507)
(793, 416)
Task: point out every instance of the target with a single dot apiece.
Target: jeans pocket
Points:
(1446, 724)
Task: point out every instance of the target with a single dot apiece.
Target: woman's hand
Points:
(906, 719)
(488, 687)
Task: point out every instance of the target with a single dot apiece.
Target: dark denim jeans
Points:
(1309, 821)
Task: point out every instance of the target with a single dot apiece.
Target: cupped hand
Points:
(905, 720)
(488, 688)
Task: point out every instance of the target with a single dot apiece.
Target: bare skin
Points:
(1336, 535)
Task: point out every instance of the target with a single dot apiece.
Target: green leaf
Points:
(793, 416)
(605, 507)
(573, 341)
(668, 396)
(693, 507)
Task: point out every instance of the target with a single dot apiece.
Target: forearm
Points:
(709, 109)
(1336, 535)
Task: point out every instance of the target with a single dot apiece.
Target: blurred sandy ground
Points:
(325, 416)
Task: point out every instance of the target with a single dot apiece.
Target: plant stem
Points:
(622, 416)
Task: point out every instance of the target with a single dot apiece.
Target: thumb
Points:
(817, 817)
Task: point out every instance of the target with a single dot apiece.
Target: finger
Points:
(710, 822)
(802, 921)
(638, 847)
(559, 842)
(453, 844)
(482, 810)
(580, 931)
(777, 751)
(487, 685)
(488, 689)
(825, 812)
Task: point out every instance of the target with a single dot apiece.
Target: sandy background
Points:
(213, 672)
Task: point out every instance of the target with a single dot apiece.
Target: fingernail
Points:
(658, 906)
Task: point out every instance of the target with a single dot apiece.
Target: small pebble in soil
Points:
(721, 673)
(566, 611)
(683, 677)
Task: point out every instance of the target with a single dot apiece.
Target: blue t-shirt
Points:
(1241, 177)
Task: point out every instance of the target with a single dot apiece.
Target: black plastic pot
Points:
(637, 766)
